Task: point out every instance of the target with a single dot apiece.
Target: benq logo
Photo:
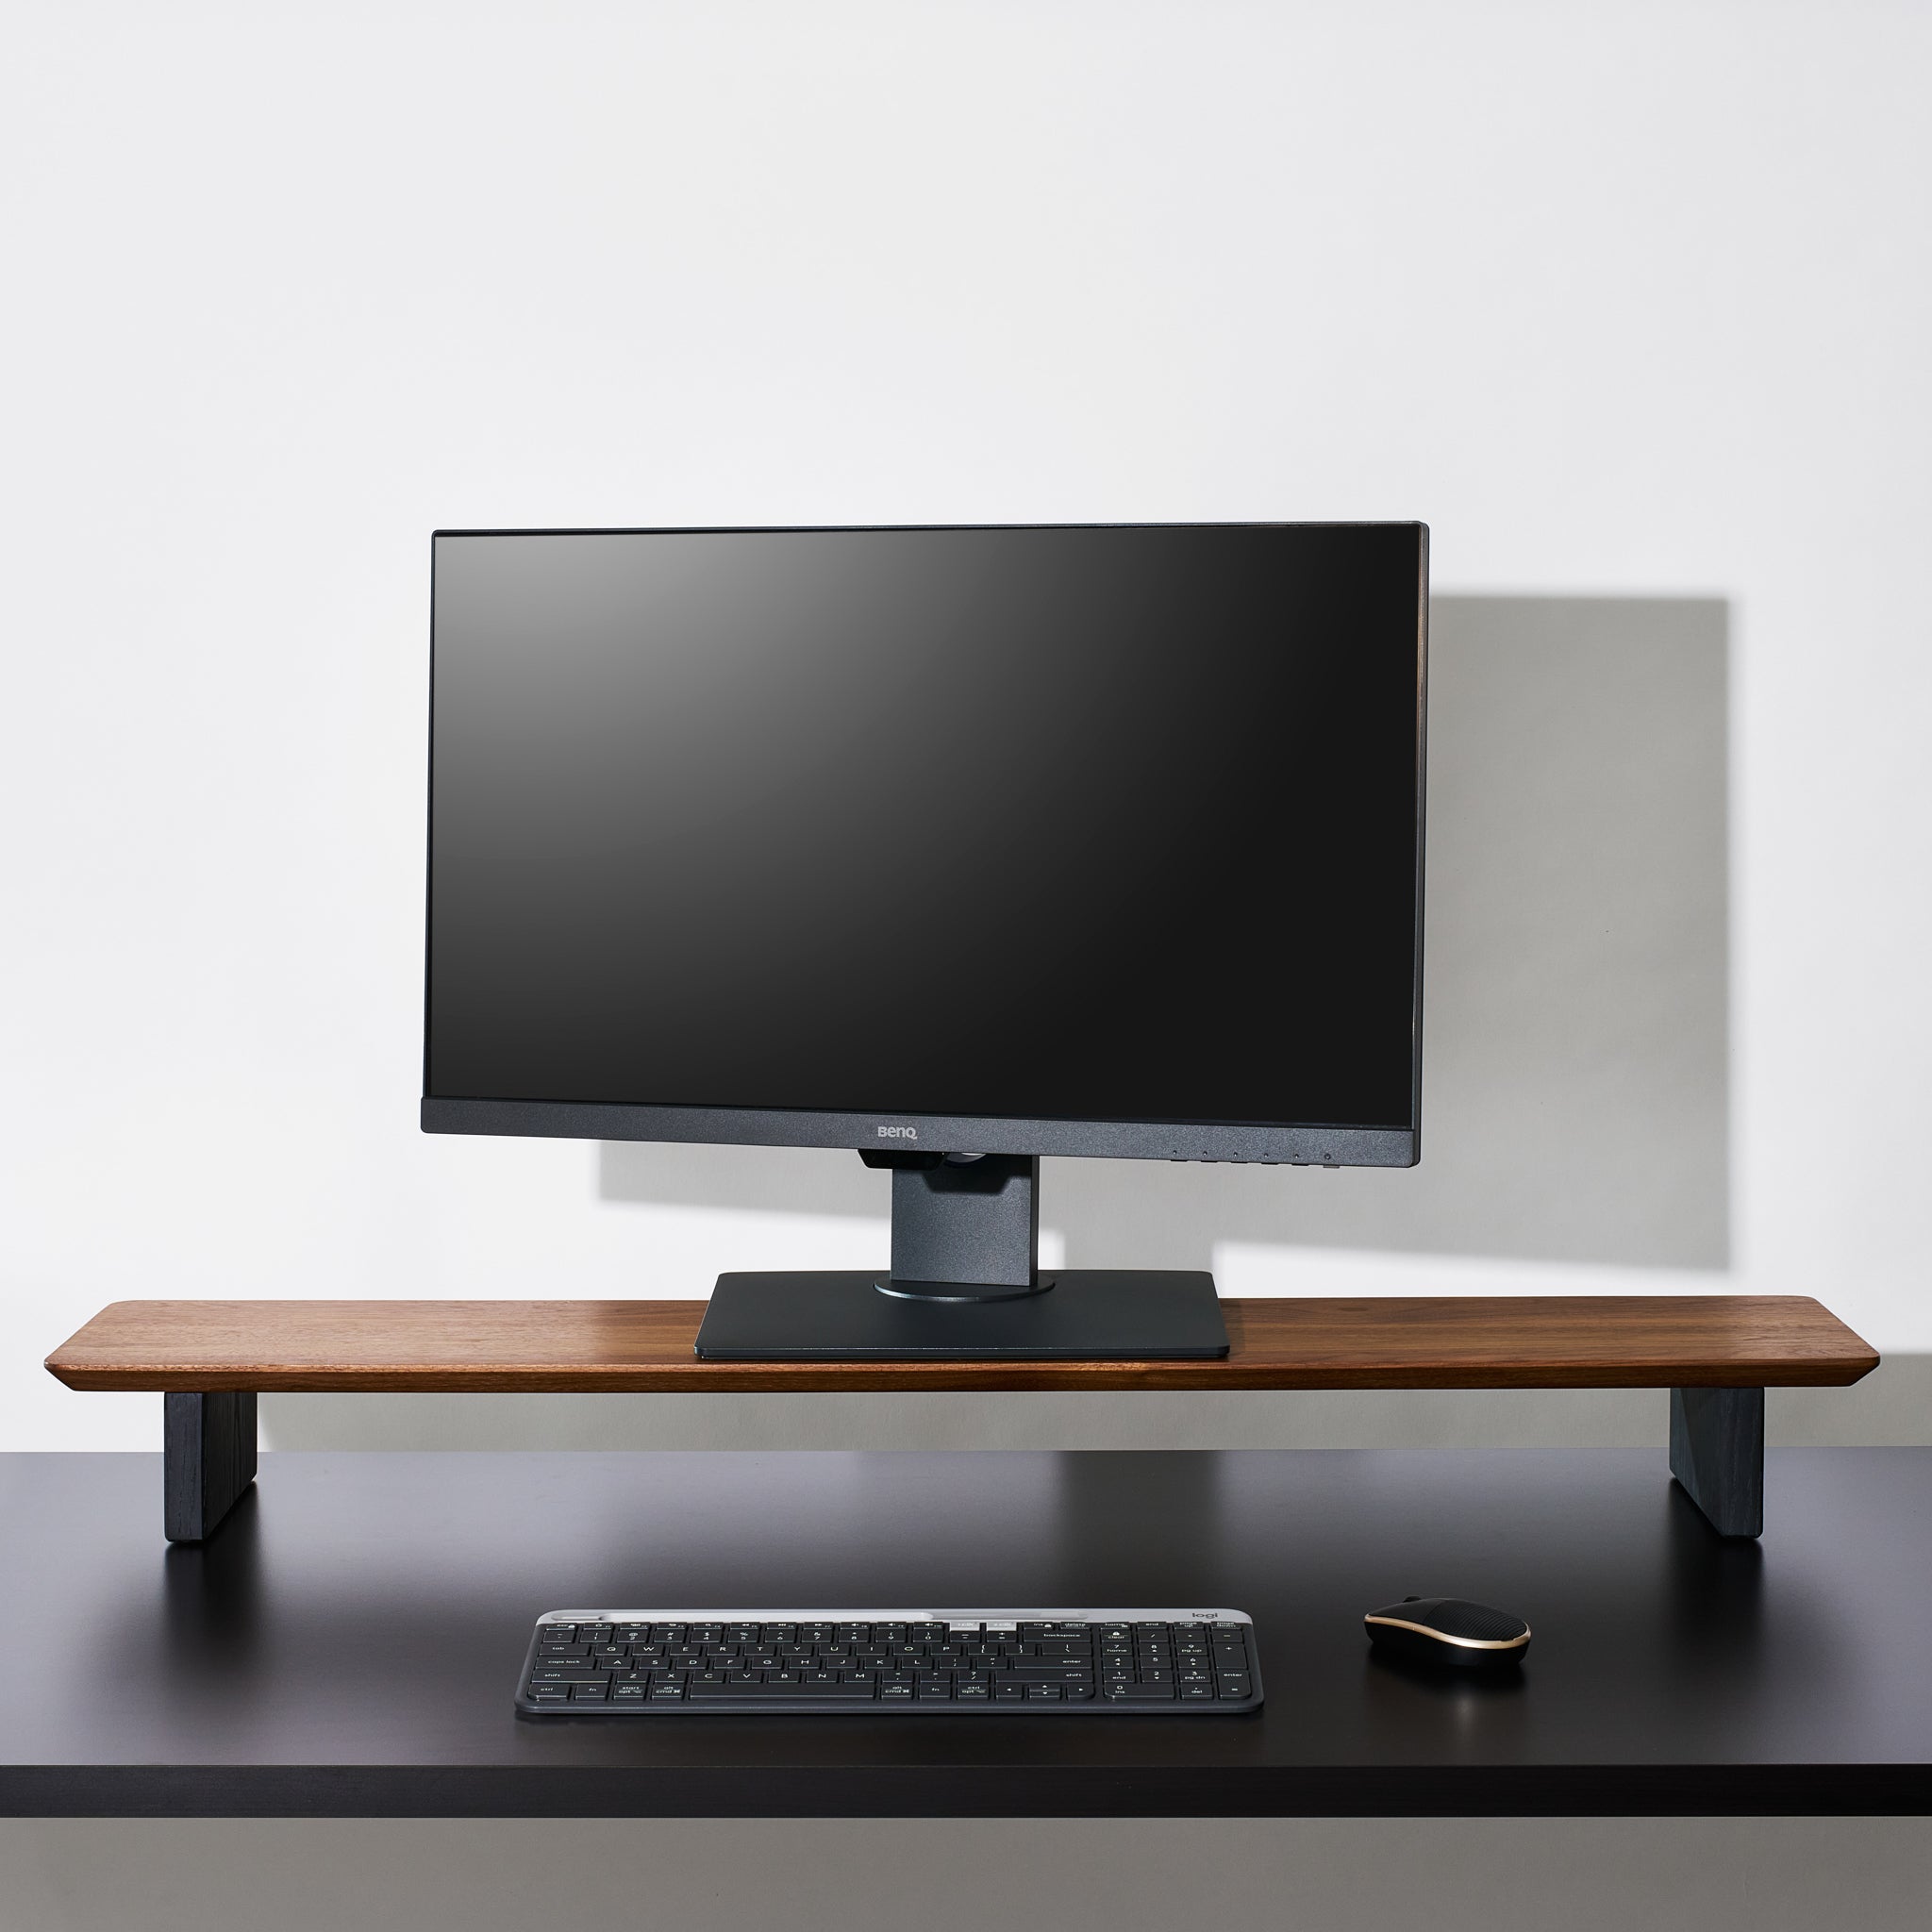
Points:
(898, 1133)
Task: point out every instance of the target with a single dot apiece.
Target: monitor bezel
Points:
(1241, 1142)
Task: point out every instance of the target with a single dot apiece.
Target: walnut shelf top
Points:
(1539, 1342)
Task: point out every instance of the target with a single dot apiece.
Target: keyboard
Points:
(654, 1663)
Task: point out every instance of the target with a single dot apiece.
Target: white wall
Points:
(1630, 300)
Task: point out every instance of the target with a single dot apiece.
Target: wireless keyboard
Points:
(650, 1663)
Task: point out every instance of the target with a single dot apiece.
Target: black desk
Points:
(348, 1645)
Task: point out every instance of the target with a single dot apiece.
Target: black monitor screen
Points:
(1108, 823)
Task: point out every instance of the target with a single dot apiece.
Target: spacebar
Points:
(803, 1694)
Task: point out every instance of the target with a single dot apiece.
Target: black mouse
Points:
(1450, 1631)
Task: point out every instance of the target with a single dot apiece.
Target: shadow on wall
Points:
(1575, 1090)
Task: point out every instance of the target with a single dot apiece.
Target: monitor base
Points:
(1087, 1314)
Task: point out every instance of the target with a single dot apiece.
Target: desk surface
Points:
(1476, 1342)
(348, 1644)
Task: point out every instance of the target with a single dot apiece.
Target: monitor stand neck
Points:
(965, 1229)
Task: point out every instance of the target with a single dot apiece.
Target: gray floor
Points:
(942, 1876)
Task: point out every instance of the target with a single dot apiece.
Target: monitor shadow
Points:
(1576, 948)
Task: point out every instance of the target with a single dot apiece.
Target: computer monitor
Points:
(954, 846)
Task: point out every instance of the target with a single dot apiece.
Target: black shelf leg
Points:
(208, 1459)
(1717, 1454)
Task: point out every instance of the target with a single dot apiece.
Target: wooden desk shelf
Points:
(1716, 1354)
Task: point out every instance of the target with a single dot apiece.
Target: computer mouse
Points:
(1449, 1631)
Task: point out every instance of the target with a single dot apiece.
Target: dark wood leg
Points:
(1717, 1454)
(208, 1460)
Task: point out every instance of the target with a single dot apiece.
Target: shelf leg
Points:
(1717, 1454)
(208, 1460)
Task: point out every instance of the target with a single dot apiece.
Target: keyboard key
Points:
(780, 1693)
(1138, 1693)
(588, 1693)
